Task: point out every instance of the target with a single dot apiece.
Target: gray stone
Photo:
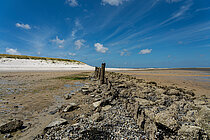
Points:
(191, 132)
(67, 96)
(97, 104)
(107, 107)
(96, 117)
(70, 107)
(173, 92)
(57, 122)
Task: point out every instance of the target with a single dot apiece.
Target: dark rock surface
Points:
(11, 126)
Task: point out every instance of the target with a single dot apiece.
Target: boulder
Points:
(96, 117)
(122, 86)
(56, 122)
(70, 107)
(166, 120)
(107, 107)
(97, 104)
(144, 102)
(11, 126)
(191, 132)
(173, 92)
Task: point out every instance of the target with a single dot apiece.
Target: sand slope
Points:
(11, 64)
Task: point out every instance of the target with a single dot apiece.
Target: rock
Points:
(173, 92)
(70, 107)
(107, 107)
(166, 120)
(147, 90)
(160, 91)
(191, 132)
(122, 86)
(11, 126)
(54, 111)
(85, 91)
(96, 117)
(57, 122)
(67, 96)
(97, 104)
(143, 102)
(190, 92)
(8, 136)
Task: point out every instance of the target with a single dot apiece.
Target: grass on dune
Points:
(35, 58)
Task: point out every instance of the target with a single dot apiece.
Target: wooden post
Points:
(96, 72)
(102, 76)
(99, 73)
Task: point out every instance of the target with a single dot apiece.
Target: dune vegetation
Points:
(36, 58)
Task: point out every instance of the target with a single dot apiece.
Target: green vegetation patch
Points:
(82, 76)
(36, 58)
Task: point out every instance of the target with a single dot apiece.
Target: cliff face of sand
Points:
(15, 64)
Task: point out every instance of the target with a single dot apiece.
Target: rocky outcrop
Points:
(129, 108)
(11, 126)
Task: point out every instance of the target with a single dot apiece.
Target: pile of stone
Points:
(128, 108)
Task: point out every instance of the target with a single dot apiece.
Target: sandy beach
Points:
(31, 95)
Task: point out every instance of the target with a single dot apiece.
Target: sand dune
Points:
(11, 64)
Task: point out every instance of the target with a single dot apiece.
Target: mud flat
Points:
(32, 97)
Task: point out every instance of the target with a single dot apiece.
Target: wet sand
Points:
(30, 96)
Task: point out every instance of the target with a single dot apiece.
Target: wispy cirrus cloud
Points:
(145, 51)
(202, 9)
(77, 26)
(72, 3)
(79, 43)
(24, 26)
(58, 41)
(12, 51)
(124, 52)
(100, 48)
(173, 1)
(72, 54)
(178, 14)
(113, 2)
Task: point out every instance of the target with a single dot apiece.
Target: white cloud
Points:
(203, 9)
(113, 2)
(124, 52)
(145, 51)
(100, 48)
(60, 46)
(72, 3)
(79, 43)
(72, 54)
(58, 41)
(12, 51)
(24, 26)
(78, 26)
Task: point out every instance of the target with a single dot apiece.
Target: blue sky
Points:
(122, 33)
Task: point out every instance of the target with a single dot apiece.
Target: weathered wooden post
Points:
(99, 73)
(96, 72)
(102, 76)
